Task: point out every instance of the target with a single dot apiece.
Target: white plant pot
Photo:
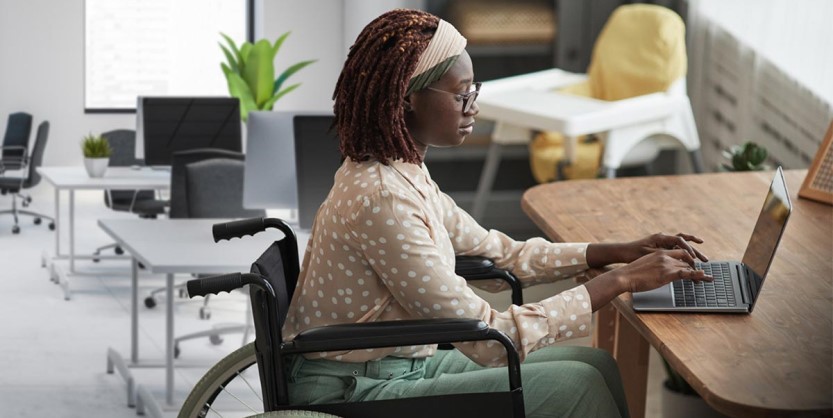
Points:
(96, 167)
(678, 405)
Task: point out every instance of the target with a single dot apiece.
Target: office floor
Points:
(53, 352)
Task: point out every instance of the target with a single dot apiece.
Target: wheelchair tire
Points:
(215, 381)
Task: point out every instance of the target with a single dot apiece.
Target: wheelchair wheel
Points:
(232, 385)
(227, 386)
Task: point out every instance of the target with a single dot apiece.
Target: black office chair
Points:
(141, 202)
(29, 179)
(272, 281)
(214, 189)
(179, 195)
(16, 141)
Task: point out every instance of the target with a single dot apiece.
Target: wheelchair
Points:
(233, 384)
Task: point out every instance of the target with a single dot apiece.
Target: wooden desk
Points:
(773, 362)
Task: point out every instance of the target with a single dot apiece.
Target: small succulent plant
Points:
(96, 146)
(747, 157)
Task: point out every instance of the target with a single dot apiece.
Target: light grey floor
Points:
(53, 352)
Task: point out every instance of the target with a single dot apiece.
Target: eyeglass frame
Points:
(468, 99)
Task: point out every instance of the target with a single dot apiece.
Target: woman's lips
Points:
(467, 129)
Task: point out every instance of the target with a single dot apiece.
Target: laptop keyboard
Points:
(718, 293)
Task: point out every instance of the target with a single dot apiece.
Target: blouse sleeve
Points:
(533, 261)
(395, 236)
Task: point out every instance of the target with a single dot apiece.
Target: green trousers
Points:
(557, 381)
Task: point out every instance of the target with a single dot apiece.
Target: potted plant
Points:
(250, 73)
(747, 157)
(96, 154)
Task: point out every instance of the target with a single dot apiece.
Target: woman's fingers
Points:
(682, 255)
(688, 237)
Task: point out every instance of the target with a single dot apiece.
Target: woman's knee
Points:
(565, 389)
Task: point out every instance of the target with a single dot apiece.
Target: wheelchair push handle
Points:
(226, 283)
(237, 229)
(214, 285)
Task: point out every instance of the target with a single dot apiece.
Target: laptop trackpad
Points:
(661, 297)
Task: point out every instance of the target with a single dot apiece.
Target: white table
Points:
(170, 246)
(523, 104)
(74, 178)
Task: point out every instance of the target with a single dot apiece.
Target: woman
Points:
(383, 246)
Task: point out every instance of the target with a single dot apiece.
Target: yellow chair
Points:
(633, 99)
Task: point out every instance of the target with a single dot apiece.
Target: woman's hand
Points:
(655, 269)
(660, 267)
(603, 254)
(660, 241)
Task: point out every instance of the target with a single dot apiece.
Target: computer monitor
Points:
(317, 158)
(269, 181)
(170, 124)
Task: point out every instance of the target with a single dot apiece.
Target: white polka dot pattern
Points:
(383, 248)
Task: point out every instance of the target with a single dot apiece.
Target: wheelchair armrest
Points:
(387, 334)
(481, 268)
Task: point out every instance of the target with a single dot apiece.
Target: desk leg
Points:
(72, 231)
(605, 329)
(134, 311)
(57, 222)
(169, 340)
(631, 353)
(487, 180)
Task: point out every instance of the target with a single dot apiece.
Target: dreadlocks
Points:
(370, 92)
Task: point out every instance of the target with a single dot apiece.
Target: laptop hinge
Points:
(746, 290)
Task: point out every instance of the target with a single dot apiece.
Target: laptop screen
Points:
(317, 158)
(768, 230)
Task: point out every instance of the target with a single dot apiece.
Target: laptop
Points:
(736, 285)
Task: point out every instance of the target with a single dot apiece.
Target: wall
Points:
(42, 73)
(42, 68)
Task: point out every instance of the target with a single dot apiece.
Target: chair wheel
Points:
(15, 229)
(176, 350)
(28, 200)
(182, 293)
(205, 313)
(38, 221)
(150, 302)
(24, 203)
(52, 226)
(141, 266)
(118, 250)
(215, 339)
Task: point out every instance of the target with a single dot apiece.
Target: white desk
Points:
(75, 178)
(170, 246)
(526, 103)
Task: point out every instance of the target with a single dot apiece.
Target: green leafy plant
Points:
(96, 146)
(250, 72)
(747, 157)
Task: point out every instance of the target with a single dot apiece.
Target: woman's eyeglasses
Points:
(467, 98)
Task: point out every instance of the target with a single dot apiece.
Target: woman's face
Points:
(435, 115)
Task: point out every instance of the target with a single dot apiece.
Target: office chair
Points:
(633, 98)
(14, 185)
(141, 202)
(179, 196)
(214, 189)
(272, 281)
(16, 141)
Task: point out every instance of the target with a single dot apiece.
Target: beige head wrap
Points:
(442, 52)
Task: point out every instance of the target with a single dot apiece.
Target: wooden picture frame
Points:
(818, 185)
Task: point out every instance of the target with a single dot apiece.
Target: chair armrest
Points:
(387, 334)
(480, 268)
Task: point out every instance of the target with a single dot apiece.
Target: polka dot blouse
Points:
(383, 248)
